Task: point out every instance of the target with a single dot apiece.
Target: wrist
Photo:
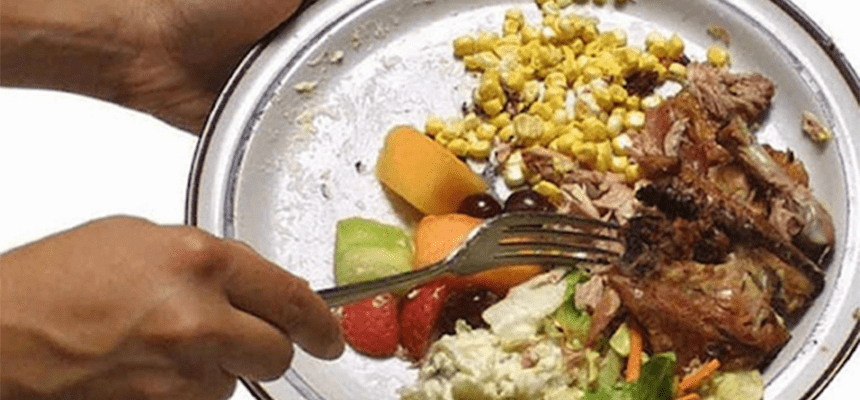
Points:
(64, 45)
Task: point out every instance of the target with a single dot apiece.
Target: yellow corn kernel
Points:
(677, 71)
(516, 80)
(471, 122)
(557, 102)
(510, 27)
(502, 120)
(621, 144)
(618, 93)
(503, 49)
(594, 129)
(619, 111)
(550, 8)
(635, 120)
(652, 101)
(484, 60)
(506, 134)
(602, 97)
(489, 89)
(565, 142)
(661, 71)
(675, 47)
(571, 69)
(648, 62)
(604, 156)
(528, 127)
(633, 103)
(584, 151)
(619, 164)
(485, 131)
(548, 190)
(632, 173)
(464, 46)
(433, 125)
(529, 52)
(458, 146)
(493, 107)
(529, 34)
(654, 37)
(659, 48)
(591, 72)
(556, 80)
(530, 92)
(480, 149)
(515, 14)
(718, 56)
(441, 139)
(542, 110)
(614, 125)
(559, 117)
(589, 33)
(486, 41)
(565, 28)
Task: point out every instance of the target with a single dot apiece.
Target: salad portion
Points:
(724, 242)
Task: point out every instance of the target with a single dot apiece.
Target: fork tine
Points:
(523, 220)
(546, 243)
(560, 258)
(550, 238)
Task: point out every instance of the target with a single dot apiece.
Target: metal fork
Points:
(519, 238)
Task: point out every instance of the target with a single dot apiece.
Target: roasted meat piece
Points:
(703, 311)
(725, 95)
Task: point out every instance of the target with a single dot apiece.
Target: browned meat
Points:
(641, 83)
(725, 95)
(799, 217)
(703, 311)
(692, 196)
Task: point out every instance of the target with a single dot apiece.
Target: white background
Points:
(66, 159)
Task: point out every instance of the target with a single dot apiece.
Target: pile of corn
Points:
(566, 82)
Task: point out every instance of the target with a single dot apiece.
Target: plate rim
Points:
(815, 32)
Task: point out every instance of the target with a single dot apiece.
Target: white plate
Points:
(278, 168)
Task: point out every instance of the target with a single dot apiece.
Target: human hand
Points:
(122, 308)
(169, 58)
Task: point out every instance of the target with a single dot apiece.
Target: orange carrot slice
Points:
(634, 361)
(695, 379)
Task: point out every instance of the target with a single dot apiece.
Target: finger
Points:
(254, 349)
(285, 301)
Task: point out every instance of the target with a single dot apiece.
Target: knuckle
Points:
(198, 251)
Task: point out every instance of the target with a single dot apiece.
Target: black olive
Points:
(480, 205)
(527, 200)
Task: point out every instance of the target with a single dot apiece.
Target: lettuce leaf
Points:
(574, 322)
(655, 383)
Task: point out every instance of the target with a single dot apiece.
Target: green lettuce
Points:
(654, 383)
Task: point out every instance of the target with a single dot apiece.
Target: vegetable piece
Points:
(634, 361)
(654, 384)
(437, 235)
(695, 379)
(739, 385)
(424, 173)
(366, 249)
(620, 340)
(573, 322)
(691, 396)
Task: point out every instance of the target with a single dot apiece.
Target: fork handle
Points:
(353, 292)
